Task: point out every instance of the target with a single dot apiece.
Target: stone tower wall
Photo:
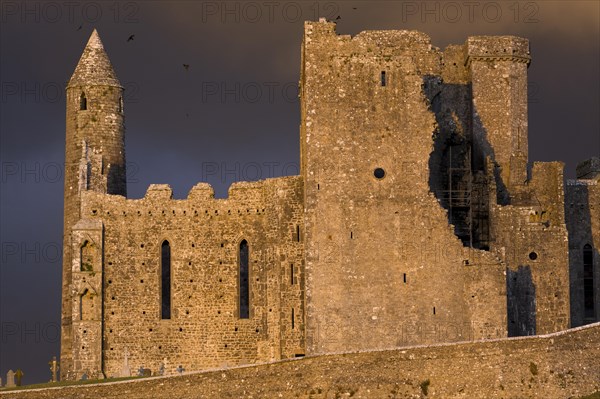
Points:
(383, 265)
(498, 72)
(94, 160)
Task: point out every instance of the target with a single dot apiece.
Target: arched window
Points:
(588, 281)
(165, 281)
(82, 102)
(86, 257)
(244, 281)
(120, 107)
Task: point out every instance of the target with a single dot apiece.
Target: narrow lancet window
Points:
(86, 257)
(82, 102)
(293, 319)
(165, 286)
(244, 281)
(588, 281)
(383, 79)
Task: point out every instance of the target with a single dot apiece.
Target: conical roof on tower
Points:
(94, 67)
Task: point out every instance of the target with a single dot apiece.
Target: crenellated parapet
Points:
(205, 327)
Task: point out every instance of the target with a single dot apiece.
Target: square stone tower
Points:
(384, 267)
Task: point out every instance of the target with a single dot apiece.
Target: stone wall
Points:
(205, 328)
(498, 72)
(557, 366)
(582, 208)
(384, 266)
(530, 235)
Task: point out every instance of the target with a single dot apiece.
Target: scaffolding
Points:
(467, 201)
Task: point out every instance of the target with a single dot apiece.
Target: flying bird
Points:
(186, 66)
(354, 8)
(131, 38)
(80, 26)
(338, 18)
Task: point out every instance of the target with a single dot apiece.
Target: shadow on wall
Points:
(581, 257)
(457, 170)
(116, 180)
(459, 181)
(520, 302)
(591, 295)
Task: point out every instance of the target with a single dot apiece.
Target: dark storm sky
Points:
(186, 125)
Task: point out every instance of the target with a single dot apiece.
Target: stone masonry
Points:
(416, 219)
(556, 366)
(582, 207)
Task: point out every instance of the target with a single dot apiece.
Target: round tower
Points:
(94, 156)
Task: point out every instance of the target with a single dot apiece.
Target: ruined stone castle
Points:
(416, 219)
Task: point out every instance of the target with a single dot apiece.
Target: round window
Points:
(533, 255)
(379, 173)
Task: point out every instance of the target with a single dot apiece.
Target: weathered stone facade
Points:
(582, 207)
(414, 219)
(556, 366)
(94, 160)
